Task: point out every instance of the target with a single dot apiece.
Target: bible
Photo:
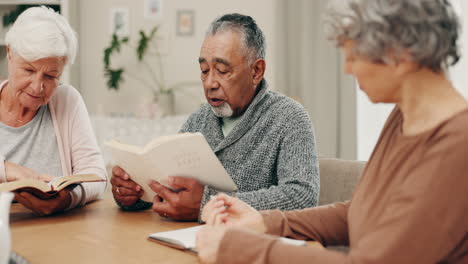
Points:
(185, 239)
(185, 154)
(45, 190)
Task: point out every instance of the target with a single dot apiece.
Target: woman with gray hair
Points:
(410, 205)
(44, 125)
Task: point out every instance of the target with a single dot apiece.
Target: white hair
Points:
(223, 110)
(39, 33)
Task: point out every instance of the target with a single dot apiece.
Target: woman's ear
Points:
(258, 70)
(404, 63)
(406, 66)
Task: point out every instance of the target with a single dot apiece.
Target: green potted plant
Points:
(163, 94)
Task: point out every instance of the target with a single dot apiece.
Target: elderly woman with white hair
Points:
(44, 125)
(410, 205)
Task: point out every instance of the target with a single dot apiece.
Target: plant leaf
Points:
(142, 45)
(114, 78)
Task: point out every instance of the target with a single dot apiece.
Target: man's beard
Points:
(223, 110)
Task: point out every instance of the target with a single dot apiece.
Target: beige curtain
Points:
(309, 70)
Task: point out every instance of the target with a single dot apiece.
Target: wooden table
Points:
(97, 233)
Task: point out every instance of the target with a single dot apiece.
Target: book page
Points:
(25, 184)
(160, 140)
(139, 169)
(115, 144)
(184, 237)
(186, 155)
(190, 157)
(60, 183)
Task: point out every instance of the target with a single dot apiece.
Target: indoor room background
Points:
(300, 63)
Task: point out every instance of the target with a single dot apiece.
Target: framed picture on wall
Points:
(185, 22)
(153, 9)
(119, 23)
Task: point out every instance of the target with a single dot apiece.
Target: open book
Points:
(46, 190)
(185, 239)
(186, 155)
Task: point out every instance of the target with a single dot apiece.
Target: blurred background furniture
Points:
(338, 178)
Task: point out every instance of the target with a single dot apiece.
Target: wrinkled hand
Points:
(126, 192)
(183, 204)
(57, 203)
(15, 172)
(208, 241)
(232, 212)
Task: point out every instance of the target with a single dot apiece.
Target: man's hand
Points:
(58, 203)
(15, 172)
(126, 192)
(232, 212)
(183, 204)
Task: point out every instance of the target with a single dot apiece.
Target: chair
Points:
(338, 178)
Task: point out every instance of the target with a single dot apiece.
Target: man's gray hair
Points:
(252, 36)
(384, 30)
(39, 33)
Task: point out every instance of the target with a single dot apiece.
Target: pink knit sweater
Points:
(78, 149)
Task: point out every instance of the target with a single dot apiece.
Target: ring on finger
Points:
(117, 190)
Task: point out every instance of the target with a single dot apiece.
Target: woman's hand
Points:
(58, 203)
(15, 172)
(208, 241)
(220, 213)
(126, 192)
(232, 212)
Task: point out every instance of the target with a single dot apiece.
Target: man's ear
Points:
(258, 70)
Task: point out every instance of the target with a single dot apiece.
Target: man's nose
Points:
(211, 81)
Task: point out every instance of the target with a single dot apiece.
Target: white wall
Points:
(370, 121)
(371, 117)
(459, 73)
(180, 61)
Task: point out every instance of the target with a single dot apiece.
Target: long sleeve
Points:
(296, 172)
(326, 224)
(425, 221)
(242, 246)
(85, 157)
(298, 180)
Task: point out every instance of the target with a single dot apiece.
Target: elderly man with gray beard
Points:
(264, 139)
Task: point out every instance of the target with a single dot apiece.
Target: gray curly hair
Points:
(427, 29)
(252, 36)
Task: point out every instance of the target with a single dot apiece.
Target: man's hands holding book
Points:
(182, 202)
(126, 192)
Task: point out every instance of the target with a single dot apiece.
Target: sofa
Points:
(338, 178)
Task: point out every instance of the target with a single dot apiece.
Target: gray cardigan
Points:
(270, 154)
